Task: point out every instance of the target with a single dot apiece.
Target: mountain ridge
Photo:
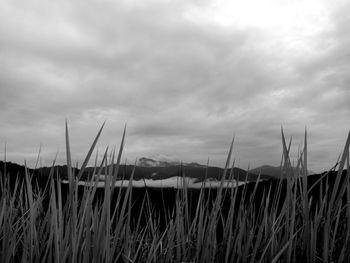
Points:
(150, 162)
(197, 171)
(274, 171)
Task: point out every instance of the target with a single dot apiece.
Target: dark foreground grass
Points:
(283, 221)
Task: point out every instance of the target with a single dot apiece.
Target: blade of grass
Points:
(87, 158)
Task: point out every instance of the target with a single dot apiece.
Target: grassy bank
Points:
(286, 220)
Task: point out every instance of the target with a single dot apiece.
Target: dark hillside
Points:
(273, 171)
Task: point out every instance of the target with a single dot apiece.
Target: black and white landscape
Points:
(174, 131)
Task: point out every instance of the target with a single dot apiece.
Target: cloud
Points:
(183, 85)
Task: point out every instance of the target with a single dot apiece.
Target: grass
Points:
(286, 223)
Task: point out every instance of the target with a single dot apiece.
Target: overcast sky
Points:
(184, 75)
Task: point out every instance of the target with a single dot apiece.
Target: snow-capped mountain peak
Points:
(148, 162)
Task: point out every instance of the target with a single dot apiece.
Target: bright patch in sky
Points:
(307, 15)
(295, 23)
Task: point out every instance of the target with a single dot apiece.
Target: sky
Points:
(184, 76)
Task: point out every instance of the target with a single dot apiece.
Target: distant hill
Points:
(191, 170)
(148, 162)
(273, 171)
(162, 169)
(15, 172)
(196, 171)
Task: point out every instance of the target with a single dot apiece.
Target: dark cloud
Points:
(184, 87)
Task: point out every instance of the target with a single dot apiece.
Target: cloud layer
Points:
(182, 78)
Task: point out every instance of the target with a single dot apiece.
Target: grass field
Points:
(286, 223)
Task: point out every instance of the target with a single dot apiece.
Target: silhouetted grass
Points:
(283, 221)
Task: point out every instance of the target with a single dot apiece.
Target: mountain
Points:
(196, 165)
(14, 170)
(162, 169)
(190, 170)
(16, 173)
(273, 171)
(148, 162)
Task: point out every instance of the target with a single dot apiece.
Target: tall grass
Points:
(280, 222)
